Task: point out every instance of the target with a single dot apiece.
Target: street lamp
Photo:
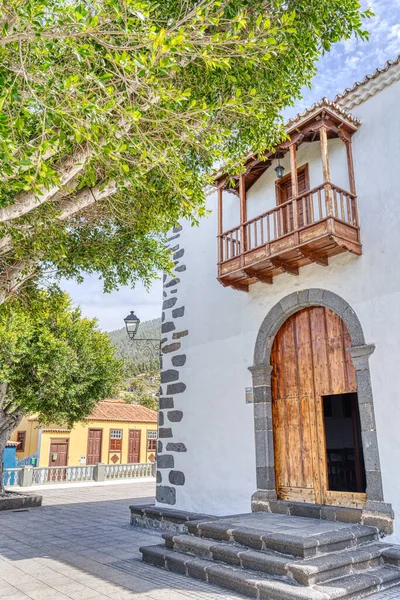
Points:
(132, 323)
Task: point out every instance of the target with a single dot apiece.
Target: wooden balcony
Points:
(311, 227)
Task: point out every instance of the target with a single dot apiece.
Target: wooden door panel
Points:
(335, 349)
(94, 446)
(304, 354)
(319, 351)
(298, 494)
(134, 446)
(58, 450)
(290, 413)
(284, 193)
(58, 457)
(309, 360)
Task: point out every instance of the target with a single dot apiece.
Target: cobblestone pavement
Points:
(79, 546)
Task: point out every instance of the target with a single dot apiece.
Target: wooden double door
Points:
(58, 453)
(58, 458)
(317, 437)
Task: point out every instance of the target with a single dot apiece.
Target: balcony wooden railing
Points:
(324, 201)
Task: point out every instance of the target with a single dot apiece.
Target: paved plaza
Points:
(80, 546)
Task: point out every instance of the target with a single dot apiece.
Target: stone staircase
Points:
(280, 557)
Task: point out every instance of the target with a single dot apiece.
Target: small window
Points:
(116, 440)
(151, 441)
(21, 438)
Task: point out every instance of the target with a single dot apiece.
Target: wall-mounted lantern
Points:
(279, 170)
(132, 323)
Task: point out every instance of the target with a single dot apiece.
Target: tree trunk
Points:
(13, 278)
(8, 422)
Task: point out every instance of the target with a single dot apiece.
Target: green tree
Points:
(53, 363)
(114, 113)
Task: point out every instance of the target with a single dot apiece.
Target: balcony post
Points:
(295, 184)
(220, 226)
(243, 213)
(350, 166)
(326, 172)
(352, 183)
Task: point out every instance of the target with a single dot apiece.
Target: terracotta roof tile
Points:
(118, 410)
(323, 103)
(370, 85)
(56, 430)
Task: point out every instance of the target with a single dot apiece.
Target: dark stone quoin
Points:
(166, 494)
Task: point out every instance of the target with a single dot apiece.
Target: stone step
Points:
(150, 516)
(332, 566)
(391, 556)
(230, 554)
(259, 585)
(305, 572)
(302, 537)
(361, 585)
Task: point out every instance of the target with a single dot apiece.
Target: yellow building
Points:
(115, 433)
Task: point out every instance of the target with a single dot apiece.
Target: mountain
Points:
(140, 356)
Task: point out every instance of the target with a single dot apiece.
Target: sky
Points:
(346, 63)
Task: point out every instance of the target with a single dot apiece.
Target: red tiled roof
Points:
(118, 410)
(390, 65)
(56, 430)
(323, 103)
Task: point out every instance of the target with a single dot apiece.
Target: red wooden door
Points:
(134, 446)
(310, 362)
(58, 454)
(58, 457)
(94, 446)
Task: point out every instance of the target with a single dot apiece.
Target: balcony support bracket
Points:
(314, 257)
(241, 287)
(236, 285)
(281, 264)
(255, 275)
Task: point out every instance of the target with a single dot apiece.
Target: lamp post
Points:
(132, 323)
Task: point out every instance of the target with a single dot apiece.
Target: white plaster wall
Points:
(217, 426)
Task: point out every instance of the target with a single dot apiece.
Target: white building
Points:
(297, 305)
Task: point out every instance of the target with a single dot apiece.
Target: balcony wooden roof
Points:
(302, 128)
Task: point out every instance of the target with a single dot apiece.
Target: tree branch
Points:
(69, 207)
(13, 278)
(85, 197)
(67, 169)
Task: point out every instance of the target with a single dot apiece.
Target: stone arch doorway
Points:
(318, 453)
(261, 373)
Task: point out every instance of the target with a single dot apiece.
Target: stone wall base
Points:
(376, 514)
(17, 501)
(169, 520)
